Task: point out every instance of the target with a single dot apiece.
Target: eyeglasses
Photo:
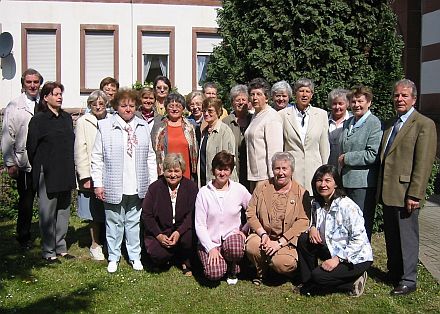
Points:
(175, 106)
(165, 88)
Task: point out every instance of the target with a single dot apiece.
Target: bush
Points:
(336, 43)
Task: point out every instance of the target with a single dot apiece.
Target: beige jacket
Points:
(295, 222)
(85, 134)
(264, 138)
(16, 117)
(316, 148)
(221, 138)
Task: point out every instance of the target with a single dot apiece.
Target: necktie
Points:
(392, 136)
(131, 140)
(303, 114)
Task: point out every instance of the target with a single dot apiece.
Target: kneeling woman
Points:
(337, 236)
(277, 216)
(167, 213)
(219, 206)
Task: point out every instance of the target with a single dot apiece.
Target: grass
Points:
(27, 285)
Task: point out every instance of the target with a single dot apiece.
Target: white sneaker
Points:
(112, 266)
(232, 280)
(359, 286)
(96, 253)
(137, 265)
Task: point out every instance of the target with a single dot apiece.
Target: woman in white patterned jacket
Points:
(123, 166)
(337, 236)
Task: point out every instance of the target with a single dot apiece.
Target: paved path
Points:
(429, 224)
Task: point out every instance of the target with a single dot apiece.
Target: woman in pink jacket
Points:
(218, 224)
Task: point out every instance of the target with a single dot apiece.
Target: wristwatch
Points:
(341, 260)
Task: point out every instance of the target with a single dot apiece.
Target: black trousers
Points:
(26, 195)
(341, 278)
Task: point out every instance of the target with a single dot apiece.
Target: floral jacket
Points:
(160, 143)
(345, 234)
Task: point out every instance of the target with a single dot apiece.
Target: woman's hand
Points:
(163, 240)
(341, 160)
(174, 238)
(271, 247)
(330, 264)
(214, 257)
(99, 193)
(314, 236)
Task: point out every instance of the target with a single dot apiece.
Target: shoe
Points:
(257, 281)
(403, 290)
(51, 260)
(359, 286)
(186, 271)
(137, 265)
(112, 266)
(67, 256)
(232, 280)
(96, 253)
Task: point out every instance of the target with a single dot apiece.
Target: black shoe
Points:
(67, 256)
(51, 260)
(403, 290)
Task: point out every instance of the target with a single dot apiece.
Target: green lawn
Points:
(84, 286)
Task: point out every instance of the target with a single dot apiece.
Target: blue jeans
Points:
(121, 217)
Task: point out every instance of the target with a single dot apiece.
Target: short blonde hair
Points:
(174, 160)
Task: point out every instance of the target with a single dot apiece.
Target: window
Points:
(41, 49)
(99, 55)
(204, 41)
(155, 53)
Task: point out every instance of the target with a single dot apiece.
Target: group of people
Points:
(285, 184)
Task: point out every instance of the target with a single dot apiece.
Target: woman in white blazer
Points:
(305, 130)
(264, 135)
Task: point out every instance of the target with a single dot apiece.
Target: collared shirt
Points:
(129, 174)
(403, 119)
(31, 103)
(299, 118)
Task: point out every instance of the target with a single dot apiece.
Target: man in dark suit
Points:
(408, 151)
(16, 117)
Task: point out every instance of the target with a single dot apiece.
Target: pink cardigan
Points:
(214, 222)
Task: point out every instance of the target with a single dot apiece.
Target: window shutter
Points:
(41, 53)
(99, 57)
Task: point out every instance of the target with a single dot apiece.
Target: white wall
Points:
(127, 16)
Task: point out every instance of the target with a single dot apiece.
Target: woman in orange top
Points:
(176, 134)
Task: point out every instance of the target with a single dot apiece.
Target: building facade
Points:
(80, 42)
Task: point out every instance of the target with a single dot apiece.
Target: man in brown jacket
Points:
(407, 155)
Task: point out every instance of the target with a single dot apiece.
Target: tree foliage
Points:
(337, 43)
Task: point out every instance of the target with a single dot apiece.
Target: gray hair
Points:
(94, 96)
(407, 83)
(175, 97)
(338, 93)
(304, 82)
(237, 90)
(281, 86)
(193, 95)
(174, 160)
(283, 156)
